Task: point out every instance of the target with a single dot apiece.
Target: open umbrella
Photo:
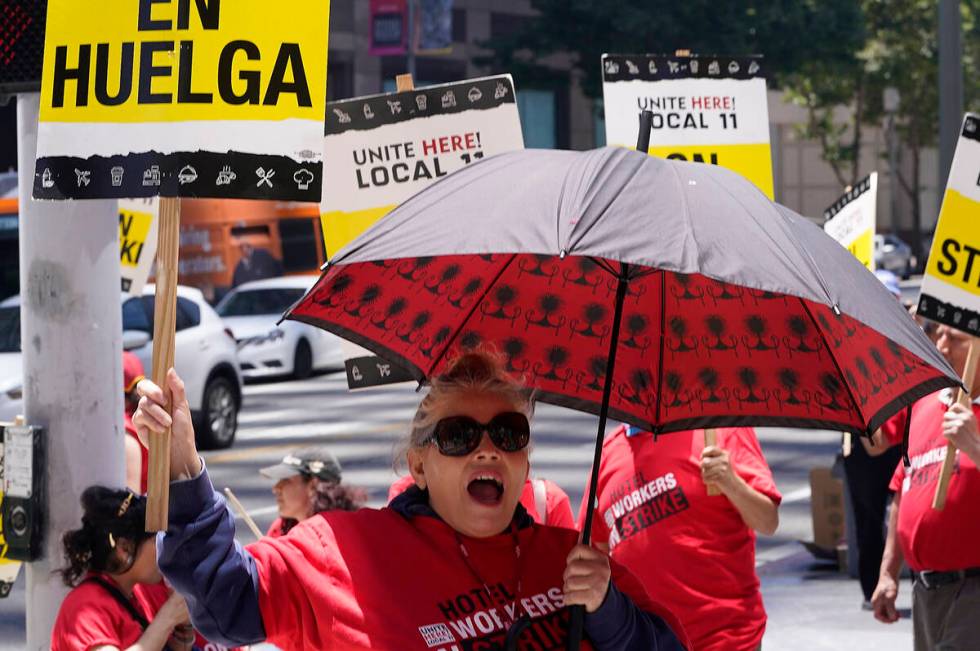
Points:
(665, 294)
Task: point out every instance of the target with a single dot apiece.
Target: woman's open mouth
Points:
(487, 489)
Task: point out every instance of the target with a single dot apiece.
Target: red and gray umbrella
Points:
(665, 294)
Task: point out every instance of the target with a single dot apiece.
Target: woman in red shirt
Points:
(454, 562)
(118, 599)
(697, 551)
(308, 482)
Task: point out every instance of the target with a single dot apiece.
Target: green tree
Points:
(789, 33)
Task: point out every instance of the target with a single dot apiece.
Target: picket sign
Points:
(962, 397)
(950, 292)
(176, 125)
(164, 345)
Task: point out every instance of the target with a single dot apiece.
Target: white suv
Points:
(205, 357)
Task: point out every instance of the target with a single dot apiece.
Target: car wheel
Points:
(219, 415)
(302, 360)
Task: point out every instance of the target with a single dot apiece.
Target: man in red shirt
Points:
(693, 552)
(941, 547)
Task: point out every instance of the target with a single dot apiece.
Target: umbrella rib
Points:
(660, 362)
(465, 319)
(840, 374)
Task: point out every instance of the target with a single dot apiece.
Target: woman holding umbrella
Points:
(453, 560)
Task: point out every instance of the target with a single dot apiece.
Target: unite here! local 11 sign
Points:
(851, 220)
(951, 283)
(182, 98)
(382, 149)
(705, 109)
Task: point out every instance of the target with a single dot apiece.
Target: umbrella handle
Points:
(646, 125)
(575, 627)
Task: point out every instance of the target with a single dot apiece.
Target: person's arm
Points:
(758, 511)
(886, 592)
(134, 464)
(613, 622)
(877, 445)
(157, 635)
(198, 554)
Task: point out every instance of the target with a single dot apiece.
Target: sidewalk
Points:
(812, 607)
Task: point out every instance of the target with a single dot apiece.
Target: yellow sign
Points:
(183, 98)
(951, 283)
(176, 60)
(710, 109)
(851, 219)
(133, 230)
(955, 254)
(753, 161)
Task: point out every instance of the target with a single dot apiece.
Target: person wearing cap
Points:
(137, 456)
(307, 483)
(939, 545)
(868, 468)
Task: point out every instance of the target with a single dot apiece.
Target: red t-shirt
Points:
(144, 453)
(936, 540)
(372, 579)
(693, 553)
(558, 508)
(91, 617)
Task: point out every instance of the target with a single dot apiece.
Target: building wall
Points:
(803, 180)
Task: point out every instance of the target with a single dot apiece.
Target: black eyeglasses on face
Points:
(457, 436)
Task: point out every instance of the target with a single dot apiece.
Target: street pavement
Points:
(811, 606)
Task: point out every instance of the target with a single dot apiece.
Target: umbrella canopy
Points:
(736, 310)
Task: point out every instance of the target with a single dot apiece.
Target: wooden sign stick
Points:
(164, 326)
(962, 397)
(403, 83)
(242, 512)
(711, 438)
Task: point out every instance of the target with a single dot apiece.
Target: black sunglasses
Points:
(457, 436)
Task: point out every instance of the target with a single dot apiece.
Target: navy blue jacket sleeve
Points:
(200, 558)
(620, 625)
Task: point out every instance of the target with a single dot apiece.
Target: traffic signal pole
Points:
(71, 337)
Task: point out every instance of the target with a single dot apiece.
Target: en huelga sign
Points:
(705, 109)
(951, 283)
(382, 149)
(851, 219)
(189, 98)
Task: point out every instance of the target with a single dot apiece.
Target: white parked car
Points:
(205, 358)
(265, 349)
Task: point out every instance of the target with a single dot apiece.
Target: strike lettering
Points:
(950, 266)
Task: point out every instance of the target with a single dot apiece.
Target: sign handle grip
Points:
(164, 326)
(962, 397)
(711, 438)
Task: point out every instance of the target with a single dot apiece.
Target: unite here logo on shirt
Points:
(640, 503)
(477, 620)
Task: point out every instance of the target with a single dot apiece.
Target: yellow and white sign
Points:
(951, 284)
(705, 109)
(182, 98)
(139, 221)
(9, 569)
(851, 220)
(381, 150)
